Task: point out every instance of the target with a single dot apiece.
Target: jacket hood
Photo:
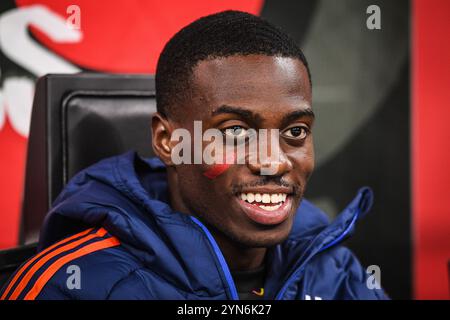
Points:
(128, 196)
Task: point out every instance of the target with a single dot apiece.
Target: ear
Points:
(161, 133)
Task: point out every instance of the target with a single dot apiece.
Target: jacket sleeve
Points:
(362, 283)
(16, 289)
(359, 283)
(338, 275)
(130, 288)
(55, 275)
(53, 292)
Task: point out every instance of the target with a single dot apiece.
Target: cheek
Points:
(194, 188)
(203, 183)
(304, 161)
(308, 158)
(216, 170)
(308, 164)
(203, 196)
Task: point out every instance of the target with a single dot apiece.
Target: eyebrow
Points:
(243, 113)
(252, 117)
(297, 114)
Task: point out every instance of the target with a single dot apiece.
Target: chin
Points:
(261, 239)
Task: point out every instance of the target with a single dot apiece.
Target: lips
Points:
(266, 208)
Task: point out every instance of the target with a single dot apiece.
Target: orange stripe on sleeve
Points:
(37, 256)
(50, 271)
(24, 282)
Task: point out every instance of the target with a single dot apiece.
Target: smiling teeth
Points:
(274, 198)
(271, 208)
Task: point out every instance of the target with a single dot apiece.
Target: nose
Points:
(277, 164)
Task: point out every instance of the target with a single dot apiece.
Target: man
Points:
(133, 228)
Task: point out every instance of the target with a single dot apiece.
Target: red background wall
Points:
(431, 147)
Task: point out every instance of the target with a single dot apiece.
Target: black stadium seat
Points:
(77, 120)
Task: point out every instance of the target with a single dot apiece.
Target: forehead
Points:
(255, 81)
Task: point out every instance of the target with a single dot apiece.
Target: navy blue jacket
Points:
(112, 235)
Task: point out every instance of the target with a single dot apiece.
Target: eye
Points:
(298, 132)
(235, 131)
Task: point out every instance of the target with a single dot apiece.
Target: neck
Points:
(239, 257)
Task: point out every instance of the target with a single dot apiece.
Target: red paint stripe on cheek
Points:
(217, 169)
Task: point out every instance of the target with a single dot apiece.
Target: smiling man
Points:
(157, 229)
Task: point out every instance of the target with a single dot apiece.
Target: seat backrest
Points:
(76, 121)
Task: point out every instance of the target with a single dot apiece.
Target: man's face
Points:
(234, 94)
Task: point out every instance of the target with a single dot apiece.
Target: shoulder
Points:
(86, 265)
(337, 274)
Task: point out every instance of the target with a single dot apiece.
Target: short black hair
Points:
(218, 35)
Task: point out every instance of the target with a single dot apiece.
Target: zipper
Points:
(226, 271)
(297, 272)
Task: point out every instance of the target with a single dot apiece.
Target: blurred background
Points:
(380, 95)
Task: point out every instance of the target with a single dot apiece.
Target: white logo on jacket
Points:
(308, 297)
